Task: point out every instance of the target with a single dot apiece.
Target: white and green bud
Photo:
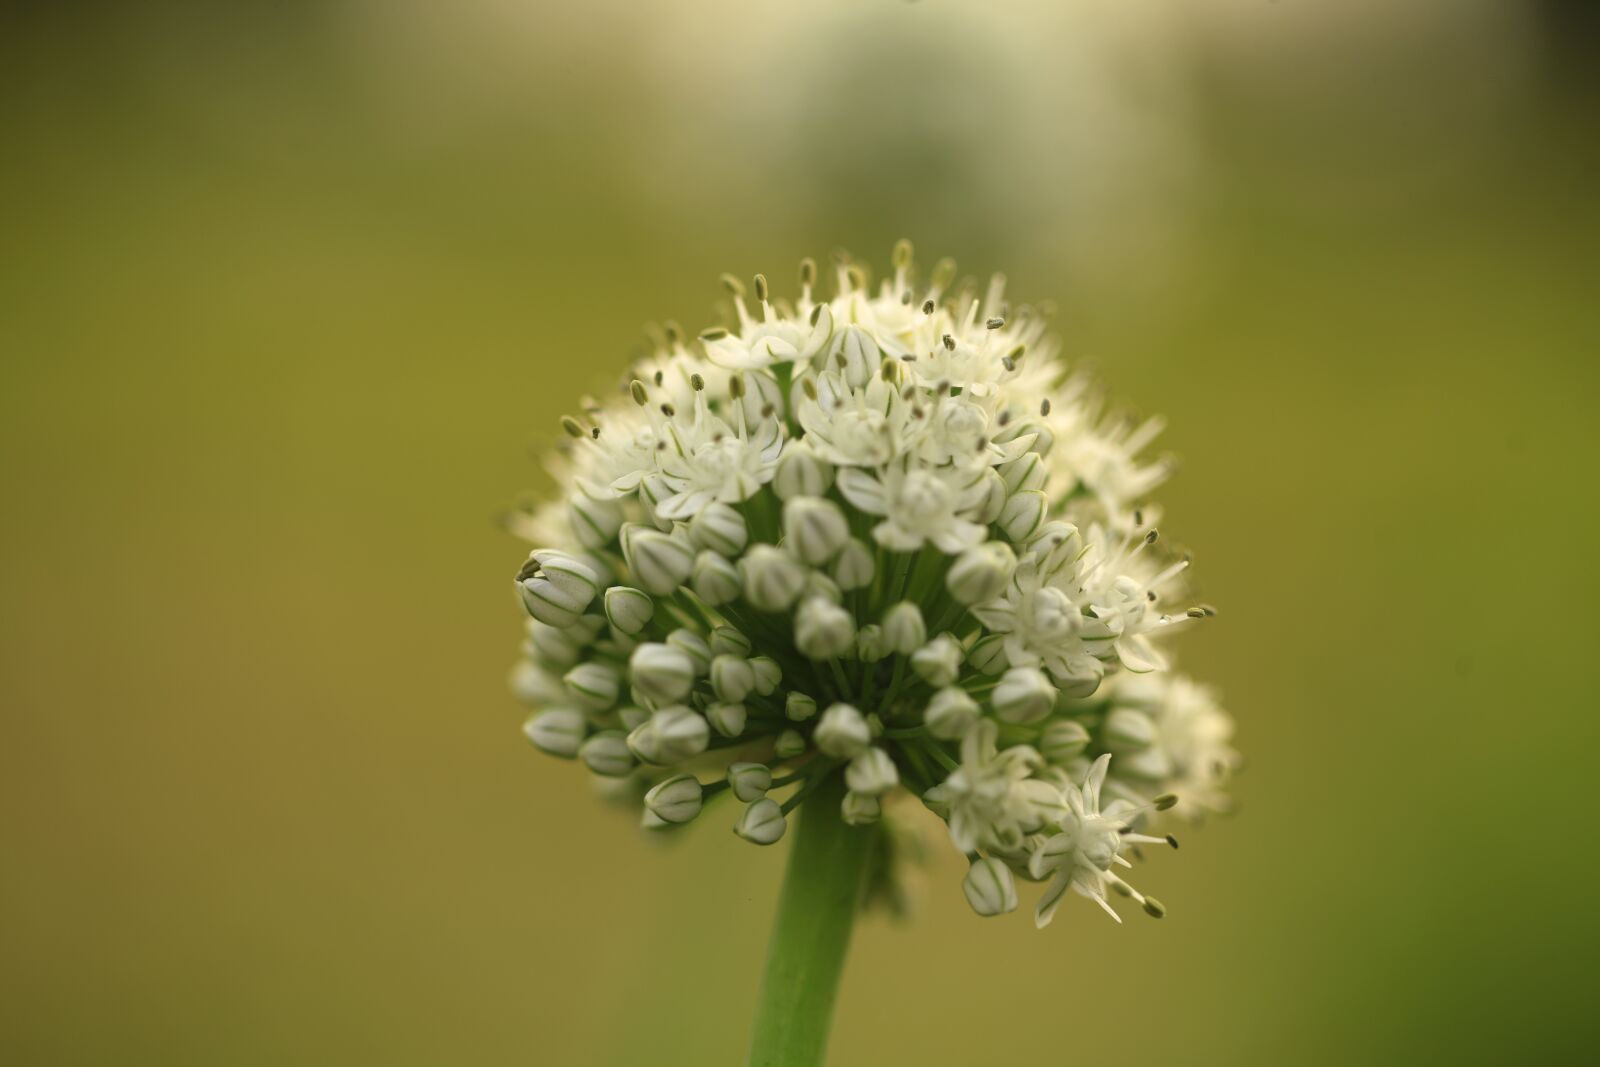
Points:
(594, 522)
(594, 685)
(801, 472)
(762, 823)
(903, 629)
(555, 647)
(988, 655)
(727, 719)
(645, 743)
(799, 706)
(814, 529)
(939, 661)
(772, 578)
(871, 772)
(1026, 472)
(557, 588)
(768, 675)
(981, 573)
(950, 714)
(660, 562)
(1063, 741)
(842, 732)
(536, 686)
(1023, 514)
(1128, 730)
(789, 744)
(819, 584)
(860, 809)
(631, 717)
(733, 678)
(653, 489)
(628, 609)
(855, 355)
(990, 887)
(719, 528)
(675, 800)
(726, 641)
(714, 579)
(749, 781)
(558, 731)
(870, 645)
(994, 498)
(682, 732)
(661, 673)
(854, 566)
(823, 630)
(1024, 695)
(607, 754)
(695, 647)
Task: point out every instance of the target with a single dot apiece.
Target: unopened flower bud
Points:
(714, 579)
(950, 713)
(1024, 695)
(727, 719)
(558, 731)
(1024, 473)
(719, 528)
(855, 355)
(801, 472)
(557, 588)
(994, 499)
(842, 732)
(1023, 515)
(872, 772)
(659, 562)
(823, 630)
(1063, 741)
(981, 573)
(682, 732)
(726, 641)
(799, 706)
(772, 578)
(814, 529)
(607, 754)
(789, 744)
(631, 717)
(749, 781)
(695, 647)
(661, 674)
(768, 674)
(1128, 730)
(762, 823)
(594, 685)
(903, 629)
(675, 800)
(645, 743)
(939, 661)
(594, 522)
(556, 647)
(860, 809)
(990, 887)
(629, 610)
(870, 646)
(820, 585)
(988, 655)
(853, 568)
(732, 678)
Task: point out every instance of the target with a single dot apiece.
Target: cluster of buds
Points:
(883, 535)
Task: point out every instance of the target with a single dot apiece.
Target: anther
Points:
(1154, 908)
(735, 386)
(640, 397)
(732, 284)
(995, 323)
(570, 424)
(808, 271)
(927, 307)
(696, 382)
(761, 288)
(668, 410)
(902, 254)
(1164, 801)
(1044, 406)
(1172, 842)
(716, 333)
(949, 342)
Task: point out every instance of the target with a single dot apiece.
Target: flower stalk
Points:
(822, 890)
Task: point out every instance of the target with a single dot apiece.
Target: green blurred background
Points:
(287, 296)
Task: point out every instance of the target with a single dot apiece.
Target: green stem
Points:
(816, 911)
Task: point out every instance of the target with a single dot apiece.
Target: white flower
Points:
(919, 506)
(983, 800)
(1189, 751)
(1089, 845)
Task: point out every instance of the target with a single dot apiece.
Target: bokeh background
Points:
(289, 292)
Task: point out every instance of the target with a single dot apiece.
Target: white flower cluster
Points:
(883, 535)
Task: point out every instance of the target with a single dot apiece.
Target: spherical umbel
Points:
(875, 542)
